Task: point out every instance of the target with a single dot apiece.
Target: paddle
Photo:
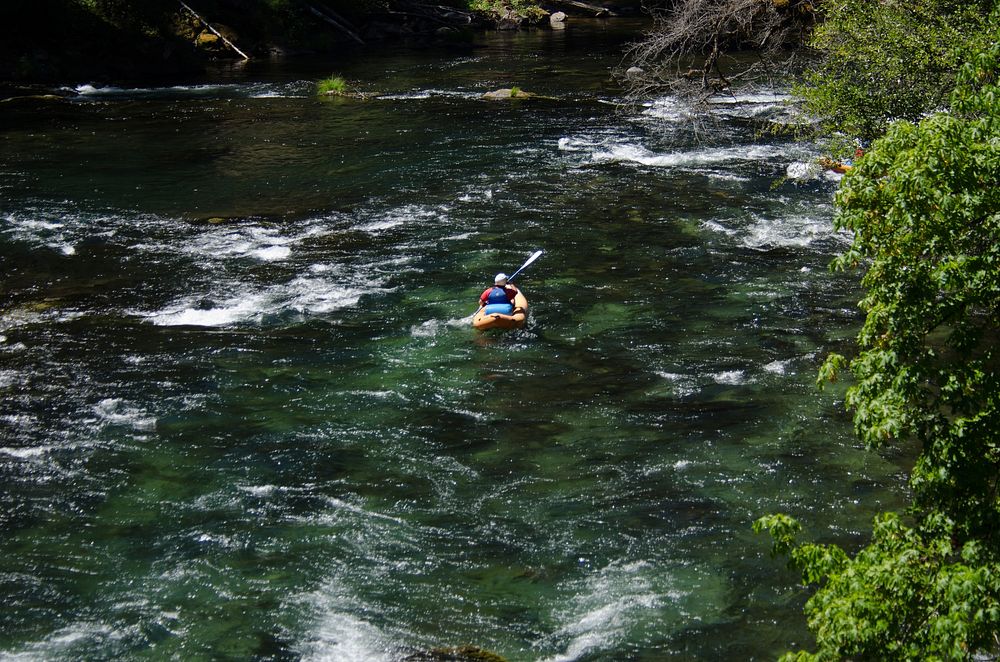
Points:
(534, 256)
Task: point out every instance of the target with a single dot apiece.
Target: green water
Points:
(278, 437)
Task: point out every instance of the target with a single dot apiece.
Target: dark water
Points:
(277, 436)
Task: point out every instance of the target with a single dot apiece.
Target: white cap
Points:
(501, 279)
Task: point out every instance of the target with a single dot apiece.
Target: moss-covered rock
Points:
(507, 93)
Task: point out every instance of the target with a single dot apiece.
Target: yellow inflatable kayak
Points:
(486, 319)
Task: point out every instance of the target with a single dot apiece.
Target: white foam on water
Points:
(626, 153)
(238, 309)
(40, 232)
(88, 90)
(811, 170)
(430, 328)
(684, 385)
(384, 224)
(417, 95)
(616, 150)
(379, 395)
(339, 634)
(92, 90)
(778, 367)
(706, 156)
(308, 295)
(731, 377)
(263, 243)
(405, 96)
(671, 376)
(26, 453)
(799, 230)
(669, 109)
(297, 89)
(476, 195)
(603, 610)
(758, 98)
(114, 411)
(66, 643)
(475, 415)
(34, 224)
(804, 170)
(272, 253)
(260, 491)
(403, 216)
(750, 107)
(674, 110)
(427, 329)
(715, 226)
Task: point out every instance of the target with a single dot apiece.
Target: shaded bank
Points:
(57, 40)
(53, 41)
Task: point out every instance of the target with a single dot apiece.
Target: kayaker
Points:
(500, 293)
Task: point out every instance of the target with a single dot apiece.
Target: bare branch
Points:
(689, 40)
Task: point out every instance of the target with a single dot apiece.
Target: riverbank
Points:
(62, 41)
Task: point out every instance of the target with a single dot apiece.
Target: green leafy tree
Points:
(924, 207)
(889, 60)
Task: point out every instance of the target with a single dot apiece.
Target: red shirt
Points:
(509, 290)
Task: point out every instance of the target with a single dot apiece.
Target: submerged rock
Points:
(456, 654)
(509, 93)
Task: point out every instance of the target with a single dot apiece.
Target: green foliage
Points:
(909, 595)
(527, 9)
(830, 370)
(335, 85)
(885, 61)
(924, 207)
(925, 211)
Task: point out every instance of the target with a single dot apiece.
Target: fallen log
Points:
(336, 21)
(446, 11)
(215, 32)
(437, 13)
(597, 9)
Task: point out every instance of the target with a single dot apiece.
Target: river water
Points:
(244, 414)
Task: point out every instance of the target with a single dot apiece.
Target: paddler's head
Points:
(500, 280)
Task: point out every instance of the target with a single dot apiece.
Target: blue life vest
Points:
(502, 308)
(497, 295)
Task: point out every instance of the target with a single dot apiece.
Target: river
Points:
(245, 416)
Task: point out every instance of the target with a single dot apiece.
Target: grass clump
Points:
(332, 86)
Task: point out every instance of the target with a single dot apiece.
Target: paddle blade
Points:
(534, 256)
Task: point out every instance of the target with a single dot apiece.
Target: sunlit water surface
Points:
(244, 414)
